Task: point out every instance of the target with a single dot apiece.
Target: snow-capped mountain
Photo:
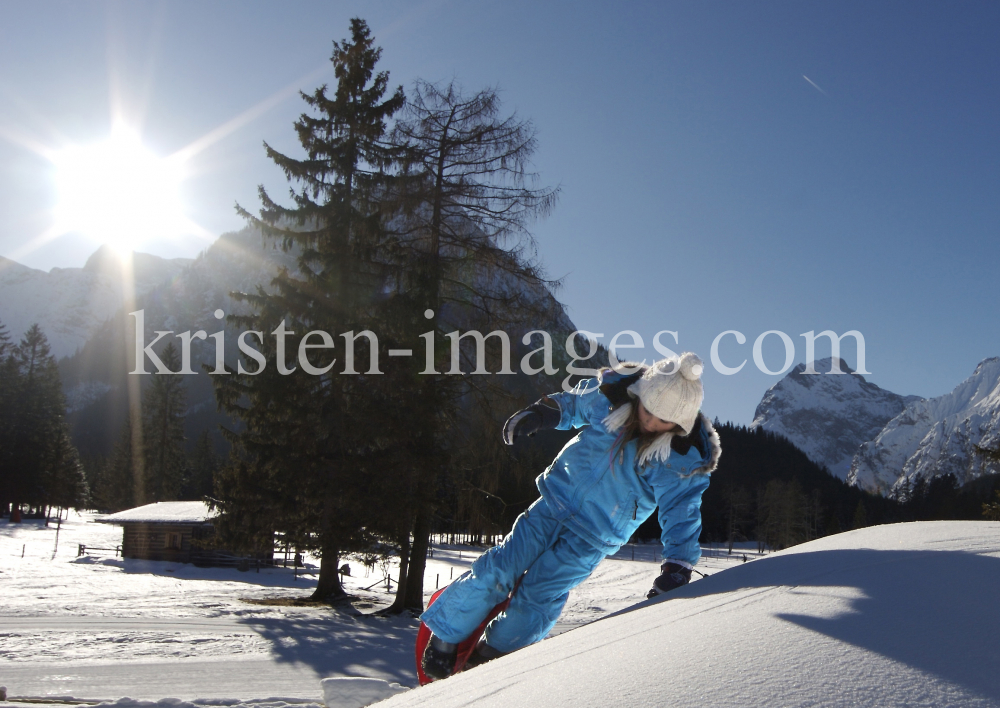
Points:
(828, 416)
(936, 436)
(70, 304)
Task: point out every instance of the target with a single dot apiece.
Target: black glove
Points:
(528, 421)
(672, 575)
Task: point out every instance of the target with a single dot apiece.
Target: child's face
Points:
(651, 424)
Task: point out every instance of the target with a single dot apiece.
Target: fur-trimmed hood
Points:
(703, 436)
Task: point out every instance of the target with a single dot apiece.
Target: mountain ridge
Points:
(71, 304)
(936, 436)
(828, 416)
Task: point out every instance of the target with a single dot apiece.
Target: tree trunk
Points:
(414, 599)
(328, 585)
(399, 602)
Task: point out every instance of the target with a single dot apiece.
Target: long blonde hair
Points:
(630, 431)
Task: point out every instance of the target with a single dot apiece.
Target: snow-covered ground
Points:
(888, 616)
(900, 615)
(97, 627)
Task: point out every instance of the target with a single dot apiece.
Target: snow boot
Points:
(672, 576)
(438, 661)
(481, 654)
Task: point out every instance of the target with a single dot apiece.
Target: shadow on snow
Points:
(936, 611)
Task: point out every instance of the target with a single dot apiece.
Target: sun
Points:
(118, 192)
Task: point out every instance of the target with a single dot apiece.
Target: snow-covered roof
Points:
(185, 512)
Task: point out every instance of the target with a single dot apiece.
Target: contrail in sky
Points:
(813, 83)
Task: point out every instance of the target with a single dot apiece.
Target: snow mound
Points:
(350, 692)
(897, 615)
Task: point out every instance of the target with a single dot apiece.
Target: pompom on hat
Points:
(671, 389)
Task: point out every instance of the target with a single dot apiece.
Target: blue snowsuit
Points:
(593, 500)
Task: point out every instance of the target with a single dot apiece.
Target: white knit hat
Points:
(671, 389)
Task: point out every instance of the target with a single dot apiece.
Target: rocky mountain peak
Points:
(827, 415)
(936, 436)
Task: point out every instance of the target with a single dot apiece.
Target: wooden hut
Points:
(181, 532)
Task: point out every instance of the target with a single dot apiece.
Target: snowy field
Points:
(98, 628)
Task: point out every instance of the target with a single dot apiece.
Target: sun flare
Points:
(118, 192)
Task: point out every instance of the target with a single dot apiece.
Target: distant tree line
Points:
(40, 469)
(769, 491)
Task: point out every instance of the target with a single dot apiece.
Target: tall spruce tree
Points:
(4, 341)
(163, 409)
(737, 508)
(8, 386)
(466, 196)
(43, 466)
(202, 468)
(992, 511)
(299, 455)
(65, 481)
(115, 486)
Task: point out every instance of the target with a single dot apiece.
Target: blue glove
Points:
(528, 421)
(672, 575)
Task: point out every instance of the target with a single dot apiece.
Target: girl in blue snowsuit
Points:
(644, 444)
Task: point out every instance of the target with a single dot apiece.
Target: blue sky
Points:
(707, 185)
